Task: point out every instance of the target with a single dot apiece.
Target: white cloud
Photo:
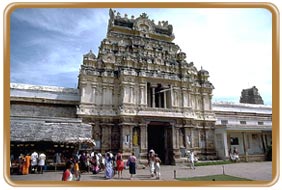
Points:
(65, 21)
(233, 45)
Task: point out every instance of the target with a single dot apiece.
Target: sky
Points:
(233, 45)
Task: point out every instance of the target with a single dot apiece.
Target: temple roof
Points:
(89, 56)
(141, 24)
(203, 72)
(58, 130)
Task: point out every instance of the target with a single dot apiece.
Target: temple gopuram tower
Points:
(140, 93)
(251, 96)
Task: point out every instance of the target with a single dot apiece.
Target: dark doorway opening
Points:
(160, 140)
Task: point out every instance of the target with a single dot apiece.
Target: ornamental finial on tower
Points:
(144, 15)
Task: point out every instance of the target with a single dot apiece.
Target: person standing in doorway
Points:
(236, 154)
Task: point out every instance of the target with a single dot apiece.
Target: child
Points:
(76, 171)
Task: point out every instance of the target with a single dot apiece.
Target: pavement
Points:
(251, 170)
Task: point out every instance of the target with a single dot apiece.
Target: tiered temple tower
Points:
(140, 93)
(251, 96)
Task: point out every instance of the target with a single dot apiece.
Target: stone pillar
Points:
(176, 137)
(131, 100)
(173, 135)
(175, 146)
(203, 102)
(181, 137)
(189, 100)
(245, 146)
(183, 93)
(83, 94)
(126, 137)
(171, 96)
(146, 94)
(174, 98)
(143, 143)
(143, 136)
(264, 142)
(123, 94)
(110, 95)
(83, 90)
(93, 93)
(210, 101)
(165, 99)
(192, 137)
(193, 101)
(153, 101)
(142, 95)
(199, 138)
(225, 144)
(106, 138)
(104, 95)
(188, 133)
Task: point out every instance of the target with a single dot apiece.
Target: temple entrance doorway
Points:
(160, 140)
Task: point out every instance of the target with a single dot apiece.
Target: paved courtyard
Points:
(253, 171)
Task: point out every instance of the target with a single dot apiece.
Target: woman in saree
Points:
(109, 166)
(26, 164)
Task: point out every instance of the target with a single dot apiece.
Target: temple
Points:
(140, 93)
(251, 96)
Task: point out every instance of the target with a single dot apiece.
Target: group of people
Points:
(115, 164)
(82, 162)
(96, 163)
(109, 163)
(71, 172)
(27, 163)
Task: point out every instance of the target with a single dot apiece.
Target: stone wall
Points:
(42, 110)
